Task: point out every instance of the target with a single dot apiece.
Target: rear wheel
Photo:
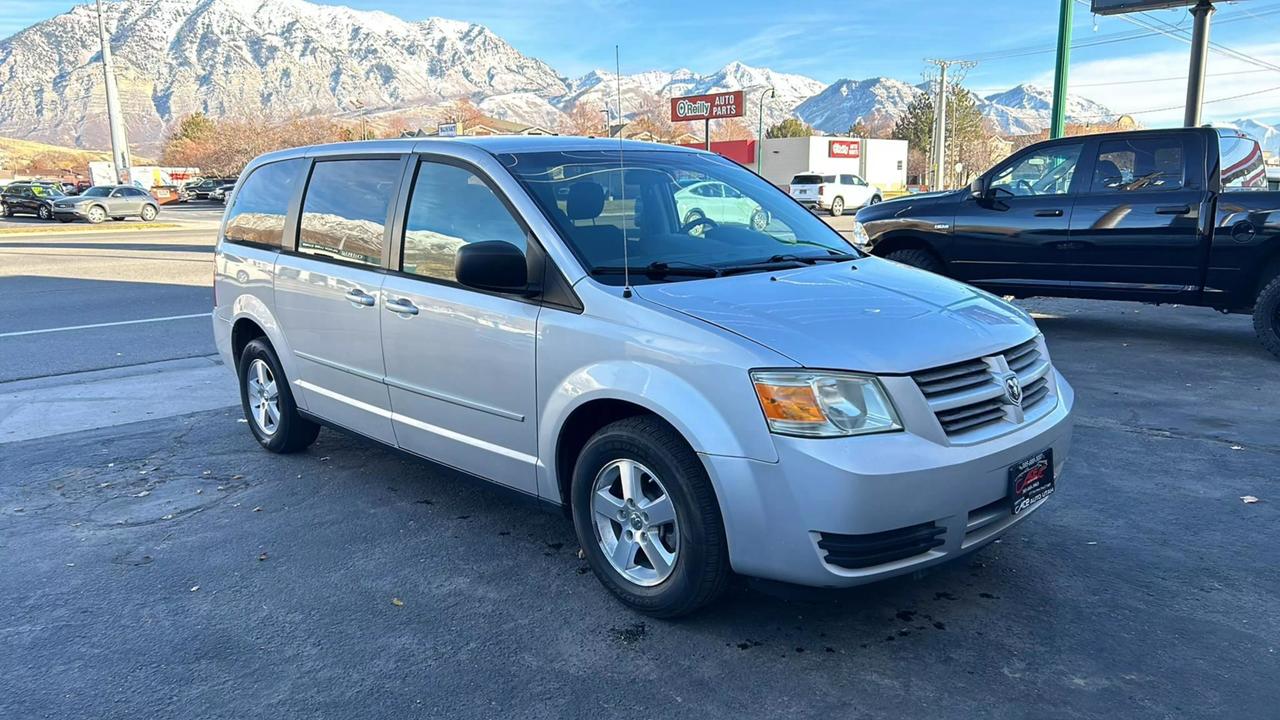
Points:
(760, 219)
(917, 257)
(1266, 316)
(268, 402)
(647, 518)
(837, 207)
(6, 210)
(874, 199)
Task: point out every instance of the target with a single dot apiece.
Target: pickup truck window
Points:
(1242, 164)
(1139, 164)
(1047, 171)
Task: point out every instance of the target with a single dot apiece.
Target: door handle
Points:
(1048, 213)
(402, 306)
(1173, 210)
(360, 297)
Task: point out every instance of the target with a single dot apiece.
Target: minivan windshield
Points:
(684, 215)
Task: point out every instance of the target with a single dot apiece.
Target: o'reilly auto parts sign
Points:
(844, 148)
(707, 107)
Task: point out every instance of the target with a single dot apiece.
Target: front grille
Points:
(968, 398)
(862, 551)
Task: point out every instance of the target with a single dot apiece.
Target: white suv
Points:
(834, 193)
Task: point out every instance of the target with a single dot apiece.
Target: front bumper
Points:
(776, 514)
(71, 212)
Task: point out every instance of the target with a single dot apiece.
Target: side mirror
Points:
(978, 188)
(492, 265)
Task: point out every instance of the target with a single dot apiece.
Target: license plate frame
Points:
(1031, 480)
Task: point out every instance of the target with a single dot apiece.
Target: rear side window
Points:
(450, 207)
(257, 215)
(847, 180)
(1139, 164)
(1242, 164)
(344, 214)
(806, 180)
(828, 178)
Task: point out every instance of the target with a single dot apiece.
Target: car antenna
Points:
(622, 177)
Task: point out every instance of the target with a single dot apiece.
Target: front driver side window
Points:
(1041, 172)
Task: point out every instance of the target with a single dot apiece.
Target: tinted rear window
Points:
(806, 180)
(1242, 164)
(257, 215)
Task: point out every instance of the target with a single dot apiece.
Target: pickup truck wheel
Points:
(916, 257)
(268, 402)
(1266, 316)
(648, 520)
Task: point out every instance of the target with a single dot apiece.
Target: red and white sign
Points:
(844, 149)
(707, 107)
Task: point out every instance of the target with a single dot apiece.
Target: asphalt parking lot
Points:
(157, 563)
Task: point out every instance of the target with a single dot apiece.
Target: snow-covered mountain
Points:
(875, 101)
(236, 57)
(281, 58)
(1027, 108)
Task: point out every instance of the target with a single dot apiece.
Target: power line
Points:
(1177, 33)
(1166, 79)
(1178, 107)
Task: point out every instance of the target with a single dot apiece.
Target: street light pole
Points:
(119, 143)
(1199, 50)
(1058, 120)
(760, 131)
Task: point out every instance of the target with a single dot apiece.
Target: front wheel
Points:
(96, 215)
(760, 219)
(1266, 316)
(44, 213)
(647, 518)
(268, 402)
(837, 207)
(874, 199)
(149, 213)
(916, 257)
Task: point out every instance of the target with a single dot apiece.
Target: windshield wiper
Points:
(812, 259)
(662, 268)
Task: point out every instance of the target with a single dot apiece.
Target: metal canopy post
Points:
(1199, 52)
(1058, 122)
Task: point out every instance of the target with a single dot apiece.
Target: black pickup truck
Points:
(1166, 216)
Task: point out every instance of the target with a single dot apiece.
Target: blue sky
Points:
(1012, 39)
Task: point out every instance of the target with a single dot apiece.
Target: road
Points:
(157, 563)
(145, 295)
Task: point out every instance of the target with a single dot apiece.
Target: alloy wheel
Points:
(264, 396)
(97, 215)
(635, 522)
(148, 213)
(43, 213)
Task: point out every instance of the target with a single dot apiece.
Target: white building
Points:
(882, 163)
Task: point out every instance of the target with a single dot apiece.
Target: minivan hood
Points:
(869, 315)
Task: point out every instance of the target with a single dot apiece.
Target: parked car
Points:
(1167, 216)
(29, 198)
(220, 193)
(834, 193)
(107, 201)
(695, 202)
(203, 188)
(770, 402)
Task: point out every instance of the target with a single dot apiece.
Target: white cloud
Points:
(1110, 82)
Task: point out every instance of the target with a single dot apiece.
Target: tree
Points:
(791, 127)
(730, 129)
(859, 129)
(583, 120)
(969, 135)
(462, 111)
(196, 126)
(653, 114)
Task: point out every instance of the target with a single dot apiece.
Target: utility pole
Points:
(119, 143)
(940, 121)
(1199, 52)
(760, 130)
(1058, 121)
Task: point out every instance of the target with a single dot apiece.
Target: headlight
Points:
(823, 404)
(860, 237)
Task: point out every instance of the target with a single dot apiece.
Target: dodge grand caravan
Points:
(703, 397)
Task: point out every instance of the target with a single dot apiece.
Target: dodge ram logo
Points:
(1013, 391)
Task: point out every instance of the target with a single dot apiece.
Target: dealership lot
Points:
(160, 564)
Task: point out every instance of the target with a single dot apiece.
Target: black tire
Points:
(44, 213)
(837, 207)
(149, 213)
(6, 210)
(874, 199)
(701, 571)
(1266, 316)
(292, 432)
(916, 257)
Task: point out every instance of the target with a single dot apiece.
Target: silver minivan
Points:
(703, 396)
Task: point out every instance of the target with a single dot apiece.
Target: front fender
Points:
(730, 424)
